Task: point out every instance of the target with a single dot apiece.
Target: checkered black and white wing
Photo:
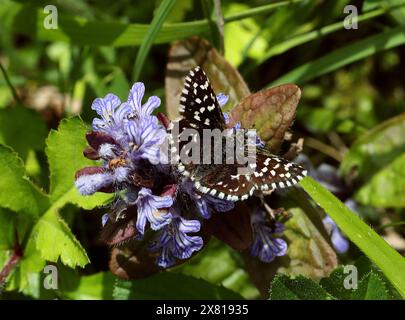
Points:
(269, 172)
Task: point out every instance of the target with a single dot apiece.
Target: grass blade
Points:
(82, 31)
(303, 38)
(386, 258)
(161, 14)
(344, 56)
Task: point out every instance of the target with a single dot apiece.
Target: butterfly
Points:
(199, 110)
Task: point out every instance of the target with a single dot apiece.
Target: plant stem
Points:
(13, 261)
(10, 85)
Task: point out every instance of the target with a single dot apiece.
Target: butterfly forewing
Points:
(198, 103)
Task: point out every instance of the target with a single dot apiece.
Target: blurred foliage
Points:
(351, 117)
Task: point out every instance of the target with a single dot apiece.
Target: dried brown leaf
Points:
(271, 112)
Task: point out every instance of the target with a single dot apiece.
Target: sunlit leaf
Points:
(64, 149)
(378, 158)
(54, 240)
(17, 193)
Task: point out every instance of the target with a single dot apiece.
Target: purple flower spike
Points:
(174, 241)
(339, 242)
(222, 99)
(265, 246)
(208, 204)
(147, 136)
(148, 205)
(92, 179)
(135, 101)
(112, 116)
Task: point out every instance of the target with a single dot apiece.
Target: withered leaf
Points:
(271, 112)
(185, 55)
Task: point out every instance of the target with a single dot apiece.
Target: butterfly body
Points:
(214, 168)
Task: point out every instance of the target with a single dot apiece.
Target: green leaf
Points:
(22, 129)
(97, 286)
(165, 285)
(378, 157)
(343, 56)
(54, 239)
(64, 149)
(334, 284)
(17, 193)
(399, 14)
(160, 16)
(217, 264)
(385, 257)
(298, 288)
(302, 38)
(30, 20)
(371, 287)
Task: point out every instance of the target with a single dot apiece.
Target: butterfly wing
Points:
(199, 107)
(199, 110)
(269, 172)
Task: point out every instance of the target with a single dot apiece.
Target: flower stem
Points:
(13, 261)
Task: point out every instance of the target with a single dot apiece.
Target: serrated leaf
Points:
(64, 149)
(334, 284)
(271, 112)
(378, 157)
(17, 193)
(186, 54)
(166, 286)
(54, 240)
(22, 129)
(299, 288)
(30, 20)
(218, 264)
(371, 287)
